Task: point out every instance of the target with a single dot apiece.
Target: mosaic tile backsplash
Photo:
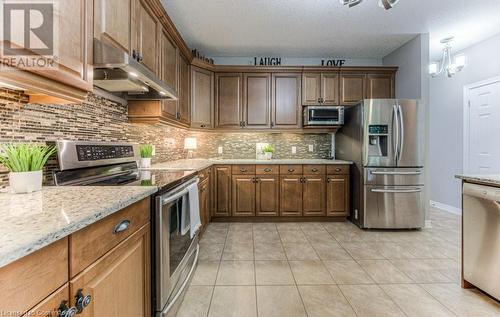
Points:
(99, 119)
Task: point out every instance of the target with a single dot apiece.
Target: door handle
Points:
(401, 132)
(395, 173)
(395, 122)
(397, 191)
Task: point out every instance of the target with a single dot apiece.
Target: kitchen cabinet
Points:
(222, 190)
(337, 195)
(313, 192)
(352, 88)
(320, 88)
(286, 97)
(51, 305)
(112, 20)
(204, 197)
(380, 86)
(291, 195)
(145, 35)
(267, 195)
(256, 100)
(119, 282)
(183, 112)
(169, 65)
(243, 195)
(202, 97)
(228, 100)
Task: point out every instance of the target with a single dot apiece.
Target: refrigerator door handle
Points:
(401, 132)
(395, 143)
(397, 191)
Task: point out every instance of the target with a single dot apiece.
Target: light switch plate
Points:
(311, 148)
(220, 150)
(294, 150)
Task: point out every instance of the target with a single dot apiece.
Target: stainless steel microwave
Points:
(323, 115)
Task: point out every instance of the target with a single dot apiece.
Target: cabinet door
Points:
(330, 89)
(267, 195)
(352, 88)
(169, 73)
(203, 192)
(112, 22)
(202, 98)
(243, 195)
(286, 108)
(291, 195)
(337, 195)
(256, 100)
(222, 190)
(146, 35)
(228, 100)
(50, 305)
(314, 195)
(311, 88)
(119, 282)
(184, 115)
(380, 86)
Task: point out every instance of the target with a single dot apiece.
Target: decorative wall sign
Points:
(267, 61)
(333, 62)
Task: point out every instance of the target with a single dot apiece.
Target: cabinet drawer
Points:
(29, 280)
(267, 169)
(291, 169)
(243, 169)
(314, 169)
(92, 242)
(337, 169)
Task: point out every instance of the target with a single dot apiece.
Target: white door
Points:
(482, 144)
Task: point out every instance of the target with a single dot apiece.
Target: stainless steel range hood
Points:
(118, 73)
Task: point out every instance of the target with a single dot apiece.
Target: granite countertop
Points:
(199, 164)
(482, 179)
(28, 222)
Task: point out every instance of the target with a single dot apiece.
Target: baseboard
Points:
(445, 207)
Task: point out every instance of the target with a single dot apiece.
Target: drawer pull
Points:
(121, 226)
(338, 169)
(243, 169)
(65, 311)
(314, 169)
(82, 301)
(267, 170)
(291, 170)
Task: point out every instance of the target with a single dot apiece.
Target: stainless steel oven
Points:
(323, 115)
(176, 251)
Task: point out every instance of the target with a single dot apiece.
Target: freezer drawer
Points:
(393, 207)
(394, 176)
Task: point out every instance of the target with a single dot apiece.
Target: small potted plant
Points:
(268, 152)
(146, 155)
(25, 163)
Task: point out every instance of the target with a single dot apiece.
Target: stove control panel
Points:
(103, 152)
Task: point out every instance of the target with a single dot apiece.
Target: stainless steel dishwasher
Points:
(481, 237)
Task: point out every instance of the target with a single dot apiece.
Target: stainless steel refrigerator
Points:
(385, 139)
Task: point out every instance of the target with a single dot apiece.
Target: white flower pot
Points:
(25, 182)
(145, 162)
(268, 155)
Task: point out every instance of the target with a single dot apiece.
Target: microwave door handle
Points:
(402, 132)
(395, 136)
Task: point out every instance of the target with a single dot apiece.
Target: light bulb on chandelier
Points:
(449, 64)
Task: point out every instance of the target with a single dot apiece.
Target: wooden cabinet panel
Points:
(228, 100)
(291, 169)
(337, 169)
(330, 89)
(286, 97)
(119, 282)
(49, 307)
(270, 169)
(352, 88)
(337, 195)
(256, 100)
(29, 280)
(290, 195)
(243, 169)
(314, 169)
(204, 195)
(112, 20)
(146, 37)
(314, 195)
(267, 195)
(380, 86)
(202, 97)
(184, 91)
(311, 88)
(92, 242)
(243, 195)
(169, 65)
(222, 190)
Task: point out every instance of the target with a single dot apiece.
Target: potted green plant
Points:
(146, 155)
(268, 151)
(25, 163)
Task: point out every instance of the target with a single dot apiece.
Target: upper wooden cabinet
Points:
(286, 96)
(112, 20)
(228, 100)
(145, 35)
(183, 108)
(169, 61)
(352, 88)
(320, 88)
(256, 100)
(380, 86)
(202, 98)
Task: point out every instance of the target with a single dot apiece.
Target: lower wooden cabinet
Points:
(291, 195)
(243, 195)
(50, 306)
(119, 282)
(204, 197)
(313, 192)
(222, 190)
(337, 195)
(267, 195)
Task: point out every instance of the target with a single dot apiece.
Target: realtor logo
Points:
(28, 36)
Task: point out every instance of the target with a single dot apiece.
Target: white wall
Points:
(446, 115)
(292, 61)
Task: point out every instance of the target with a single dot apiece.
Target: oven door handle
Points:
(174, 197)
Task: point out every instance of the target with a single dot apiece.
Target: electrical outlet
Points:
(294, 150)
(311, 148)
(154, 151)
(220, 150)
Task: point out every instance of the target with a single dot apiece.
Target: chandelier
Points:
(386, 4)
(449, 64)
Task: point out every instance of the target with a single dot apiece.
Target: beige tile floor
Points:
(332, 269)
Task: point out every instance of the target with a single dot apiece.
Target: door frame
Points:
(466, 118)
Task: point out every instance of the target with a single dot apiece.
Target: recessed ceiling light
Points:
(387, 4)
(351, 3)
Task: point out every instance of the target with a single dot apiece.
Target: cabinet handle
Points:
(314, 170)
(338, 169)
(291, 170)
(243, 169)
(82, 301)
(139, 57)
(65, 311)
(267, 170)
(134, 54)
(121, 226)
(272, 124)
(244, 124)
(328, 180)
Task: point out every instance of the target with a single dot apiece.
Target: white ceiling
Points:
(319, 28)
